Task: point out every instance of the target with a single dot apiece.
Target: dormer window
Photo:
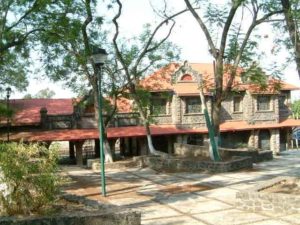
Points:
(186, 77)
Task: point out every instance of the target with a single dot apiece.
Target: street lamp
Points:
(8, 92)
(99, 57)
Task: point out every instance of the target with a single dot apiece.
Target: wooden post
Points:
(78, 147)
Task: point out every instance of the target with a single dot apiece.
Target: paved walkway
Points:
(187, 198)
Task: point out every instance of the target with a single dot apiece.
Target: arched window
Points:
(186, 77)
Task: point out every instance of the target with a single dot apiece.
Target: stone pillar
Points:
(256, 139)
(176, 109)
(275, 141)
(251, 140)
(170, 145)
(248, 107)
(71, 150)
(78, 147)
(276, 107)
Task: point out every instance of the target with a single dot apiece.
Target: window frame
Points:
(283, 105)
(187, 111)
(240, 103)
(165, 105)
(258, 102)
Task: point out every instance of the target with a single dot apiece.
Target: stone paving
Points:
(187, 198)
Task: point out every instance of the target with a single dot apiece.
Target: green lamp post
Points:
(8, 92)
(99, 57)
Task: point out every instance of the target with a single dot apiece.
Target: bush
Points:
(29, 173)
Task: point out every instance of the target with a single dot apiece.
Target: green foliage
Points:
(19, 21)
(255, 75)
(44, 93)
(29, 172)
(296, 109)
(4, 111)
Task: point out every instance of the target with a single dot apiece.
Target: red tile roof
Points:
(138, 131)
(27, 111)
(161, 81)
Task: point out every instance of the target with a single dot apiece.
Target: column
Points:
(275, 141)
(78, 148)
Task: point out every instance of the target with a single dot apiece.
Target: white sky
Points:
(187, 35)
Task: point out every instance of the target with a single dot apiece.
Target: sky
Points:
(187, 35)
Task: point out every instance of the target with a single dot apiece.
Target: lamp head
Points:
(8, 92)
(99, 56)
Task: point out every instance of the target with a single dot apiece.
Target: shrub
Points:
(29, 173)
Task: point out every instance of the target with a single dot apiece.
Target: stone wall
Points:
(162, 119)
(257, 156)
(92, 213)
(173, 164)
(227, 111)
(256, 201)
(186, 150)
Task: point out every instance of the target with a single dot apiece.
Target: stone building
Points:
(251, 117)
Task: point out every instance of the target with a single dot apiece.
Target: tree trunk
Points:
(149, 140)
(218, 97)
(213, 147)
(292, 28)
(107, 152)
(146, 124)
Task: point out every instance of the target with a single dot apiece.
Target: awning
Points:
(138, 131)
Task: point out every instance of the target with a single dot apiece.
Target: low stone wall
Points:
(257, 156)
(192, 150)
(202, 151)
(175, 164)
(103, 214)
(256, 201)
(94, 164)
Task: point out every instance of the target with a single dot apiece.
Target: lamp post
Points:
(8, 92)
(99, 57)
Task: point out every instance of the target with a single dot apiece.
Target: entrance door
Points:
(264, 139)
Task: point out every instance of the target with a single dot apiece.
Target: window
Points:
(282, 99)
(195, 139)
(263, 103)
(159, 106)
(237, 103)
(193, 105)
(186, 77)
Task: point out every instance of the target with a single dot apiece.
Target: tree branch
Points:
(146, 48)
(204, 29)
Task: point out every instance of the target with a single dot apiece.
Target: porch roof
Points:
(137, 131)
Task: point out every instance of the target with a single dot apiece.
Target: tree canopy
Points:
(19, 23)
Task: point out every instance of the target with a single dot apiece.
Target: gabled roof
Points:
(161, 80)
(27, 111)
